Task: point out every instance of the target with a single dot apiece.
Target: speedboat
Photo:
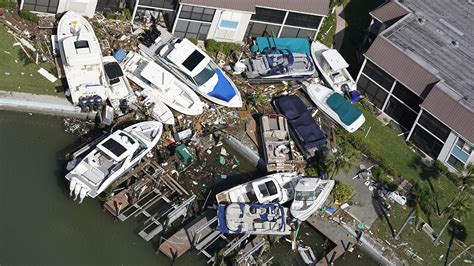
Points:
(278, 64)
(335, 106)
(157, 80)
(197, 69)
(276, 140)
(274, 188)
(333, 68)
(97, 168)
(81, 57)
(254, 219)
(310, 195)
(119, 91)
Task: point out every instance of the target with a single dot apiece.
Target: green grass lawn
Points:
(18, 73)
(383, 141)
(327, 31)
(356, 13)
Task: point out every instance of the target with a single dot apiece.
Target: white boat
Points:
(277, 143)
(158, 110)
(255, 219)
(310, 195)
(167, 88)
(274, 188)
(82, 59)
(333, 68)
(190, 63)
(335, 106)
(97, 168)
(307, 255)
(119, 91)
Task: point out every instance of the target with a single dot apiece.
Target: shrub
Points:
(342, 192)
(193, 40)
(440, 167)
(213, 47)
(26, 14)
(7, 4)
(453, 177)
(126, 14)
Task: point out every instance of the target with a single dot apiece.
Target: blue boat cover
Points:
(223, 89)
(309, 134)
(295, 45)
(346, 111)
(120, 55)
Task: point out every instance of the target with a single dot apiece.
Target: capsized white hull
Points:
(317, 49)
(302, 209)
(319, 95)
(158, 110)
(166, 87)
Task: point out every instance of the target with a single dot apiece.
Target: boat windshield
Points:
(204, 75)
(305, 195)
(268, 189)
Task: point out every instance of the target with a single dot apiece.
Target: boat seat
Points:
(279, 134)
(260, 65)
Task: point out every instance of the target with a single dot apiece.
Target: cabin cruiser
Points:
(254, 219)
(119, 91)
(197, 69)
(277, 144)
(335, 106)
(274, 188)
(278, 64)
(310, 195)
(96, 168)
(167, 88)
(333, 68)
(82, 60)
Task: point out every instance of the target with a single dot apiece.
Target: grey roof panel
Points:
(456, 116)
(242, 5)
(390, 12)
(401, 66)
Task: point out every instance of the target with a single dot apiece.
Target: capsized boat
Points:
(307, 255)
(276, 140)
(82, 60)
(274, 188)
(197, 69)
(97, 168)
(310, 195)
(255, 219)
(278, 64)
(119, 91)
(333, 68)
(157, 80)
(335, 106)
(157, 109)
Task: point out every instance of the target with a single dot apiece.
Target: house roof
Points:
(439, 35)
(454, 115)
(401, 66)
(389, 13)
(320, 7)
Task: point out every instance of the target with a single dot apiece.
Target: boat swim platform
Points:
(331, 230)
(196, 233)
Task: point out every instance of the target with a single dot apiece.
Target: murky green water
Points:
(41, 225)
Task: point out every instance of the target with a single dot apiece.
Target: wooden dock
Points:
(334, 232)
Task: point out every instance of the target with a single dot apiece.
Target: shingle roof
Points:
(451, 112)
(320, 7)
(242, 5)
(389, 13)
(398, 64)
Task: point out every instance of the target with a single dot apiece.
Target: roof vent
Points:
(455, 43)
(421, 21)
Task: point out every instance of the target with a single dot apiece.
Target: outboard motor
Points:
(345, 89)
(123, 105)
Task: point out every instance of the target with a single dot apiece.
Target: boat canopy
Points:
(295, 45)
(346, 111)
(223, 89)
(335, 60)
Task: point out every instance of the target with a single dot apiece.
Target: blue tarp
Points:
(347, 112)
(120, 55)
(295, 45)
(223, 89)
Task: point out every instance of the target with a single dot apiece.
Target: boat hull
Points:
(303, 214)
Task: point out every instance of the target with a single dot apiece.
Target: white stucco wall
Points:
(83, 7)
(446, 151)
(226, 35)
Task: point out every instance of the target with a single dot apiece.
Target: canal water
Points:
(41, 225)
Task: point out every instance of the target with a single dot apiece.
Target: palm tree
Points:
(460, 208)
(466, 184)
(343, 159)
(423, 199)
